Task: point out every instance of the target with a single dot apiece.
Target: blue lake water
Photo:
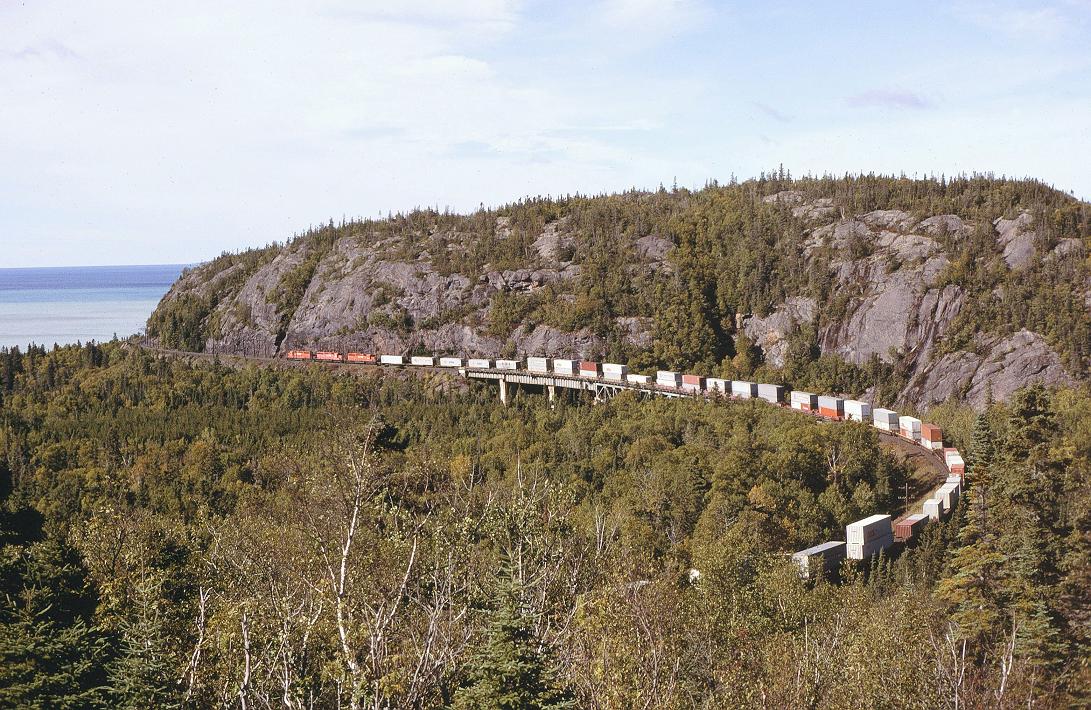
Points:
(69, 304)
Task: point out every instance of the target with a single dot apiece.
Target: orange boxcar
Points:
(693, 383)
(589, 369)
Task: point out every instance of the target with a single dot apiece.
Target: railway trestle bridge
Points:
(602, 389)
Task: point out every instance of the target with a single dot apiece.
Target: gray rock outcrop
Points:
(893, 295)
(1017, 238)
(1007, 364)
(771, 333)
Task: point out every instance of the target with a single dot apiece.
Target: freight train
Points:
(863, 538)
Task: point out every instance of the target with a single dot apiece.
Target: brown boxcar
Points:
(910, 526)
(361, 358)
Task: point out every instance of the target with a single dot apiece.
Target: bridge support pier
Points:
(503, 390)
(551, 390)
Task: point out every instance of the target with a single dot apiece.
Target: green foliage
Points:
(189, 521)
(510, 670)
(51, 654)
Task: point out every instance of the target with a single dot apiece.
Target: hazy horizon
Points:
(61, 305)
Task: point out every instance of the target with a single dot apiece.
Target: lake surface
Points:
(69, 304)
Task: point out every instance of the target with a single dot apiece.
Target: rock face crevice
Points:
(998, 367)
(889, 266)
(890, 295)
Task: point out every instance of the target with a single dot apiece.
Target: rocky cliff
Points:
(587, 278)
(899, 308)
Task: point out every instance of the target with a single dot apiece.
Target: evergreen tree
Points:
(747, 355)
(1028, 523)
(982, 450)
(1030, 424)
(141, 676)
(512, 668)
(971, 587)
(51, 656)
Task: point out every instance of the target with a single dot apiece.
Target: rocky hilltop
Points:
(964, 290)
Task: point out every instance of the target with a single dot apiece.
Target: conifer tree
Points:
(511, 669)
(141, 675)
(971, 586)
(51, 656)
(982, 451)
(1027, 526)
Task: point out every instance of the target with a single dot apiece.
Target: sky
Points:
(134, 132)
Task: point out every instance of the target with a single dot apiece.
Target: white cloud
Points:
(630, 25)
(889, 98)
(665, 14)
(137, 132)
(1020, 21)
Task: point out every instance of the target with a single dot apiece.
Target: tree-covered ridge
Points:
(205, 535)
(682, 268)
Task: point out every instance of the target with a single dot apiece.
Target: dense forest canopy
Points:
(182, 533)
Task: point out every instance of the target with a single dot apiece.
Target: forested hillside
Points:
(912, 291)
(177, 534)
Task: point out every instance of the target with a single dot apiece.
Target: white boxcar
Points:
(933, 508)
(948, 495)
(538, 364)
(773, 394)
(885, 419)
(864, 550)
(821, 559)
(479, 363)
(804, 401)
(564, 367)
(614, 371)
(507, 364)
(857, 411)
(422, 361)
(715, 384)
(668, 378)
(868, 529)
(391, 359)
(743, 389)
(450, 362)
(637, 379)
(910, 427)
